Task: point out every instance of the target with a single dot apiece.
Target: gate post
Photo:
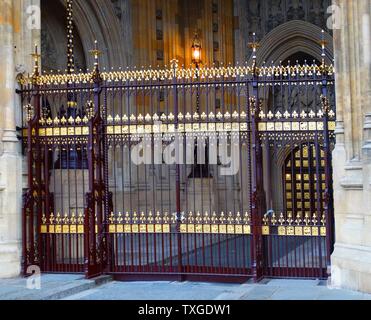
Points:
(257, 198)
(328, 197)
(107, 195)
(93, 229)
(256, 193)
(174, 66)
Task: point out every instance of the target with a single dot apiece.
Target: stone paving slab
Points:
(154, 291)
(75, 287)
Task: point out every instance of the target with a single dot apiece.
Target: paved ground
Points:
(74, 287)
(274, 290)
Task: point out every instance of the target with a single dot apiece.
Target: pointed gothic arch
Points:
(94, 20)
(292, 37)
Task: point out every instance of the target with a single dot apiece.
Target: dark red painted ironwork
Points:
(90, 209)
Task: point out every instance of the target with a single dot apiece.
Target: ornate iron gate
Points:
(189, 173)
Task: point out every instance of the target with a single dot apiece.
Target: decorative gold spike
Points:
(238, 218)
(43, 219)
(126, 218)
(286, 115)
(80, 219)
(211, 116)
(71, 120)
(206, 217)
(203, 116)
(243, 115)
(227, 115)
(323, 219)
(133, 118)
(78, 120)
(222, 218)
(247, 218)
(142, 218)
(303, 114)
(163, 117)
(49, 121)
(150, 217)
(214, 218)
(298, 219)
(219, 116)
(180, 116)
(148, 118)
(188, 116)
(265, 220)
(65, 219)
(307, 218)
(155, 117)
(270, 115)
(281, 220)
(198, 217)
(51, 218)
(140, 117)
(235, 115)
(289, 218)
(171, 117)
(166, 218)
(190, 217)
(314, 219)
(73, 217)
(273, 219)
(111, 218)
(58, 219)
(158, 218)
(173, 218)
(117, 119)
(230, 218)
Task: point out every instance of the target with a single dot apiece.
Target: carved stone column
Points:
(16, 42)
(351, 259)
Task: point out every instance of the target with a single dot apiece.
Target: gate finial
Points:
(323, 43)
(96, 53)
(254, 45)
(36, 56)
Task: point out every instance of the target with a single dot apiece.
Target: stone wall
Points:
(351, 260)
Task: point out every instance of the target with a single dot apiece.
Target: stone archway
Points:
(94, 20)
(285, 41)
(292, 37)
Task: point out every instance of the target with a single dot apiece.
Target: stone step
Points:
(62, 291)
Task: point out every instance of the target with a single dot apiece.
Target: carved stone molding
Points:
(353, 179)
